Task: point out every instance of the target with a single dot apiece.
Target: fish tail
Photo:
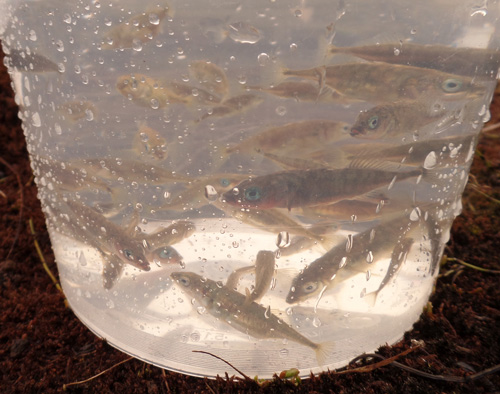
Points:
(324, 350)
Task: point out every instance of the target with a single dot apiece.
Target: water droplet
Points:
(413, 31)
(155, 104)
(110, 304)
(283, 239)
(293, 47)
(397, 51)
(263, 59)
(59, 45)
(342, 263)
(316, 322)
(430, 161)
(235, 244)
(137, 45)
(82, 259)
(281, 110)
(267, 313)
(369, 257)
(32, 35)
(243, 32)
(210, 193)
(368, 275)
(35, 120)
(235, 191)
(284, 353)
(154, 19)
(363, 293)
(298, 13)
(67, 18)
(415, 214)
(201, 310)
(348, 245)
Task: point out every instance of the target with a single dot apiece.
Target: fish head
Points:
(166, 255)
(251, 194)
(131, 253)
(303, 287)
(373, 123)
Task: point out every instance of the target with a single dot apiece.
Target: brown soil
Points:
(43, 346)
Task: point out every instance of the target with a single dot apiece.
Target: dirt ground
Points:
(44, 347)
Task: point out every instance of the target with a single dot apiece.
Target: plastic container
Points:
(273, 183)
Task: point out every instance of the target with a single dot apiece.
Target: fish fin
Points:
(371, 298)
(324, 350)
(249, 298)
(375, 164)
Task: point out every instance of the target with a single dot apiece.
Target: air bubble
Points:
(59, 45)
(154, 19)
(263, 59)
(137, 45)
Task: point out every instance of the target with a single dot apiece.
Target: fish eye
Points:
(165, 253)
(310, 287)
(373, 122)
(253, 193)
(128, 254)
(184, 281)
(224, 182)
(452, 85)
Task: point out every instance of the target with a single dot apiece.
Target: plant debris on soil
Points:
(45, 349)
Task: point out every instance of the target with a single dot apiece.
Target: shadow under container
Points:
(272, 183)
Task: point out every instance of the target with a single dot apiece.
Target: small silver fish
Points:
(360, 248)
(252, 319)
(264, 269)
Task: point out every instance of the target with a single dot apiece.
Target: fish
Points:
(264, 270)
(271, 220)
(296, 137)
(94, 229)
(24, 61)
(128, 169)
(355, 255)
(304, 188)
(65, 176)
(252, 319)
(150, 144)
(398, 258)
(210, 76)
(382, 82)
(74, 111)
(393, 120)
(138, 29)
(446, 150)
(233, 106)
(462, 61)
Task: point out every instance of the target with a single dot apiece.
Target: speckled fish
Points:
(393, 120)
(398, 258)
(95, 229)
(75, 111)
(446, 150)
(150, 144)
(299, 137)
(264, 270)
(210, 76)
(271, 220)
(356, 254)
(137, 30)
(303, 188)
(129, 170)
(463, 61)
(382, 83)
(150, 92)
(233, 106)
(252, 319)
